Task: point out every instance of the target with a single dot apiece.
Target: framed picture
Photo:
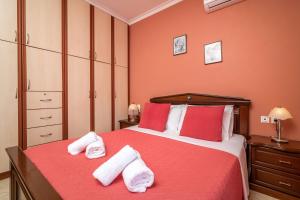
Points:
(179, 45)
(213, 53)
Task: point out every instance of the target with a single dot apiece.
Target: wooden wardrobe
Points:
(8, 80)
(64, 71)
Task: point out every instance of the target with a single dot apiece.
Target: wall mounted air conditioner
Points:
(213, 5)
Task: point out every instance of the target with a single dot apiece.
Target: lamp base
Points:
(279, 140)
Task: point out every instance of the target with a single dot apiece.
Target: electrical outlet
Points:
(264, 119)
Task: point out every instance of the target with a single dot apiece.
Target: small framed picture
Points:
(179, 45)
(213, 52)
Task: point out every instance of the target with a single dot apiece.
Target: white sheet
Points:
(235, 146)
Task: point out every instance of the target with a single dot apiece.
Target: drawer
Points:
(43, 117)
(277, 180)
(36, 136)
(37, 100)
(276, 159)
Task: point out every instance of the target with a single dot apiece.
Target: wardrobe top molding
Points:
(127, 10)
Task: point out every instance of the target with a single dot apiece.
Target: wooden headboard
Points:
(241, 106)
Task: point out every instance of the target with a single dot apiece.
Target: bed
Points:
(48, 172)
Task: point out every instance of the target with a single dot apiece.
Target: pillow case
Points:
(155, 116)
(227, 123)
(174, 118)
(203, 122)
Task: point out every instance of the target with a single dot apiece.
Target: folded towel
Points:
(109, 170)
(95, 149)
(137, 176)
(79, 145)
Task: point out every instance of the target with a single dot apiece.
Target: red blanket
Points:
(182, 171)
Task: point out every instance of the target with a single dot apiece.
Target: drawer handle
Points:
(286, 184)
(50, 117)
(46, 135)
(285, 162)
(45, 100)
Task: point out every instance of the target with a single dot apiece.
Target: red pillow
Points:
(155, 116)
(203, 122)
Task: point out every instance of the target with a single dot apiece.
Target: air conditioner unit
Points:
(213, 5)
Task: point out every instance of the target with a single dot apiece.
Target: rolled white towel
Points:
(79, 145)
(95, 149)
(137, 176)
(109, 170)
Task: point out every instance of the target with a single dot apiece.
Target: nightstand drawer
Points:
(276, 159)
(277, 180)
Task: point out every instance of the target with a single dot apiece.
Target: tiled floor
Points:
(4, 192)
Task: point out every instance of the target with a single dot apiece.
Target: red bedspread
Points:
(182, 171)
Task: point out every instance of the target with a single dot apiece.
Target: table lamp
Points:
(279, 114)
(133, 112)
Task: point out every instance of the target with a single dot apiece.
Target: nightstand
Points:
(126, 123)
(274, 167)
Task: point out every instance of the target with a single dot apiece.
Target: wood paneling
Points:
(8, 100)
(79, 97)
(102, 36)
(8, 20)
(44, 70)
(79, 28)
(121, 43)
(121, 94)
(43, 24)
(102, 97)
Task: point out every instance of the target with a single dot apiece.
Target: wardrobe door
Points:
(8, 100)
(102, 36)
(102, 97)
(44, 70)
(8, 20)
(43, 24)
(78, 96)
(121, 43)
(79, 28)
(121, 94)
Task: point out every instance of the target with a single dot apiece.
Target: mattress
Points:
(184, 168)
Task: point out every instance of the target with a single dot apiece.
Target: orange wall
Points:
(261, 52)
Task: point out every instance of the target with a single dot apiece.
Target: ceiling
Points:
(132, 11)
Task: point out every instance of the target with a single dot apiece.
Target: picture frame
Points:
(213, 53)
(180, 45)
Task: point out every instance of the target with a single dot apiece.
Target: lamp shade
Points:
(133, 109)
(280, 113)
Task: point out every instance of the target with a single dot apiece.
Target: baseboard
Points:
(272, 193)
(4, 175)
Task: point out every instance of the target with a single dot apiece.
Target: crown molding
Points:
(138, 18)
(153, 11)
(104, 8)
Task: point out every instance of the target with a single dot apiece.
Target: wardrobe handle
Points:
(16, 97)
(16, 36)
(95, 95)
(46, 135)
(29, 84)
(89, 94)
(115, 60)
(28, 38)
(45, 118)
(95, 55)
(46, 100)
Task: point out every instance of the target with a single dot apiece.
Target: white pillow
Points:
(227, 123)
(174, 118)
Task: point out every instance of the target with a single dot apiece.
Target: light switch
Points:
(264, 119)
